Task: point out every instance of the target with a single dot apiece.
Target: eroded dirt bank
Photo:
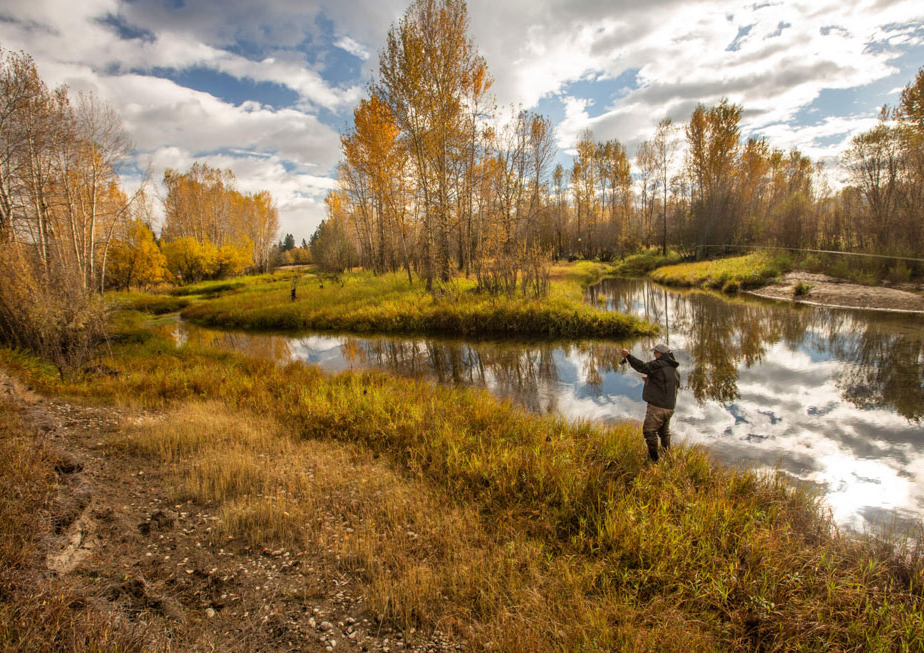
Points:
(152, 566)
(829, 291)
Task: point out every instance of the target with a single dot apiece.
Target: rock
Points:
(326, 625)
(210, 613)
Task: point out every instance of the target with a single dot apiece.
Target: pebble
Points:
(326, 625)
(209, 612)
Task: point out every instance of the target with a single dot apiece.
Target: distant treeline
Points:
(434, 178)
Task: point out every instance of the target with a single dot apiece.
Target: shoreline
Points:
(830, 292)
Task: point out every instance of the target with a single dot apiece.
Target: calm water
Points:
(833, 397)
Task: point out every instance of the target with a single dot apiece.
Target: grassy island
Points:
(361, 302)
(727, 274)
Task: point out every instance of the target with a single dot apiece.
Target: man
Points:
(661, 383)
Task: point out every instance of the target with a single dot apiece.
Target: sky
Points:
(266, 88)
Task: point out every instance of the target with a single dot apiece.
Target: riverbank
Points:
(772, 277)
(450, 514)
(363, 303)
(824, 290)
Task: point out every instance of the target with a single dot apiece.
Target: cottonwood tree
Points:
(60, 204)
(429, 77)
(205, 205)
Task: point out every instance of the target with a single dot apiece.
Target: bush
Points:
(48, 312)
(900, 273)
(801, 289)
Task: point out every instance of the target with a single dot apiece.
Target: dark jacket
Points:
(663, 380)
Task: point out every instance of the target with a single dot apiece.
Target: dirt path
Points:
(147, 560)
(829, 291)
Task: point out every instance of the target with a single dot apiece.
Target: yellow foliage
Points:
(136, 260)
(188, 260)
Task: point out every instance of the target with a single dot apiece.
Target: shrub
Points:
(801, 289)
(49, 312)
(900, 273)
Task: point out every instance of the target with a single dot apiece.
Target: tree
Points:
(188, 260)
(135, 258)
(429, 72)
(874, 162)
(204, 204)
(664, 147)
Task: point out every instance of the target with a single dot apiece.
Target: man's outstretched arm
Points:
(637, 364)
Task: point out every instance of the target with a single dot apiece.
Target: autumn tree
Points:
(205, 205)
(135, 258)
(664, 149)
(60, 204)
(429, 71)
(713, 147)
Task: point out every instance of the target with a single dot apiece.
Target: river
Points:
(832, 397)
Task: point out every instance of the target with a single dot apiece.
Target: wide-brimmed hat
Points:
(661, 348)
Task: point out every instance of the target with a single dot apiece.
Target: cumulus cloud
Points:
(774, 58)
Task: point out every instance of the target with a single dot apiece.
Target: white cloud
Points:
(789, 53)
(356, 49)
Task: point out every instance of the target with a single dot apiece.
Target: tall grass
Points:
(528, 532)
(728, 274)
(638, 265)
(389, 304)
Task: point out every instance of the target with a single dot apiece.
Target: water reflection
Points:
(833, 397)
(882, 353)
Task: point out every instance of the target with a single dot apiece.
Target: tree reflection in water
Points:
(882, 354)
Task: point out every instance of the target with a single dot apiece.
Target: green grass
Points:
(573, 539)
(146, 303)
(728, 274)
(638, 265)
(362, 303)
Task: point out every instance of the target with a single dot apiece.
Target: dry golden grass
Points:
(429, 559)
(426, 560)
(527, 532)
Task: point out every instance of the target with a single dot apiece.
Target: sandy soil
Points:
(829, 291)
(145, 559)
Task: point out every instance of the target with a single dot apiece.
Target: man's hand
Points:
(624, 352)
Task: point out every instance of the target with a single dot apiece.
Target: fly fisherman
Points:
(661, 383)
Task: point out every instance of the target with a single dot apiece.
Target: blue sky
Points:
(266, 88)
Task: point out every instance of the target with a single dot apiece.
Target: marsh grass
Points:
(146, 303)
(638, 265)
(728, 274)
(527, 532)
(389, 304)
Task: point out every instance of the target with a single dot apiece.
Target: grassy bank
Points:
(525, 532)
(389, 304)
(727, 275)
(638, 265)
